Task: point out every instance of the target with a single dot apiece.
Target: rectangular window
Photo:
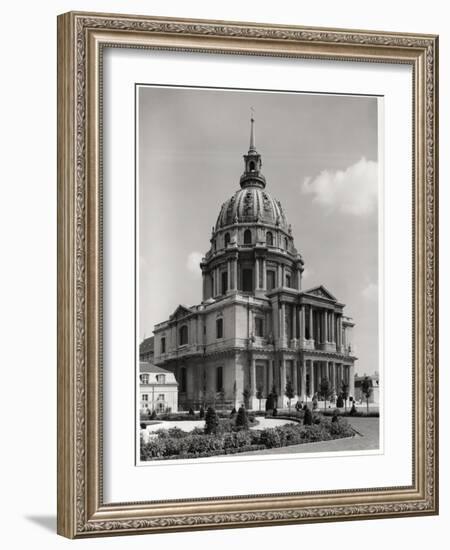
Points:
(219, 328)
(144, 378)
(224, 282)
(270, 280)
(183, 380)
(163, 345)
(161, 397)
(247, 280)
(144, 397)
(288, 281)
(219, 379)
(259, 326)
(161, 378)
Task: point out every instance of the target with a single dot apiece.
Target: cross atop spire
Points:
(252, 130)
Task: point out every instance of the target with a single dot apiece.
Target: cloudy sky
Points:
(319, 156)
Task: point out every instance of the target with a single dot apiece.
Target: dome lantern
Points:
(252, 176)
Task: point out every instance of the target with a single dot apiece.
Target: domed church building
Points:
(256, 330)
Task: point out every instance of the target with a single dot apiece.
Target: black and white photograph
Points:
(257, 272)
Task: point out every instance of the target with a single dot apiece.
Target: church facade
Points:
(256, 331)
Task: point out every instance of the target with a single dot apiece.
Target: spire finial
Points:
(252, 129)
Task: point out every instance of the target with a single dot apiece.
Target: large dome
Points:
(251, 204)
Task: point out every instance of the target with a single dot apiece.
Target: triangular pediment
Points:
(180, 312)
(321, 292)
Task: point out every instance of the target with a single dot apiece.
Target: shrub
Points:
(270, 438)
(307, 419)
(191, 412)
(176, 432)
(242, 418)
(340, 401)
(143, 426)
(233, 412)
(275, 411)
(211, 421)
(153, 415)
(202, 412)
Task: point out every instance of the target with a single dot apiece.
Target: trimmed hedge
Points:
(179, 444)
(358, 414)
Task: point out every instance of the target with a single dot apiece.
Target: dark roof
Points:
(147, 345)
(148, 367)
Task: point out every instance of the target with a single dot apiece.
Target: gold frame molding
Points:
(81, 37)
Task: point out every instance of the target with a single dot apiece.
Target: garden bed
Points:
(177, 444)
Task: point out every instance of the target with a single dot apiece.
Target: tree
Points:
(344, 393)
(274, 394)
(307, 388)
(340, 401)
(289, 393)
(307, 419)
(259, 395)
(222, 397)
(246, 395)
(211, 421)
(325, 390)
(202, 412)
(366, 387)
(242, 418)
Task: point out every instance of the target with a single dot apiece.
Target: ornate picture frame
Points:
(82, 38)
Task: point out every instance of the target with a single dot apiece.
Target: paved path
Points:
(369, 439)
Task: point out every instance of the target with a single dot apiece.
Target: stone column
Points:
(264, 274)
(303, 373)
(294, 322)
(280, 276)
(228, 275)
(283, 321)
(325, 326)
(270, 375)
(302, 323)
(299, 279)
(351, 383)
(204, 285)
(235, 274)
(253, 377)
(257, 273)
(311, 328)
(295, 376)
(282, 380)
(312, 388)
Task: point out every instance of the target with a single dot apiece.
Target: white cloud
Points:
(350, 191)
(193, 262)
(370, 292)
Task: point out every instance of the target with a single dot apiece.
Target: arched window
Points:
(269, 238)
(227, 239)
(252, 166)
(163, 344)
(247, 236)
(183, 335)
(286, 243)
